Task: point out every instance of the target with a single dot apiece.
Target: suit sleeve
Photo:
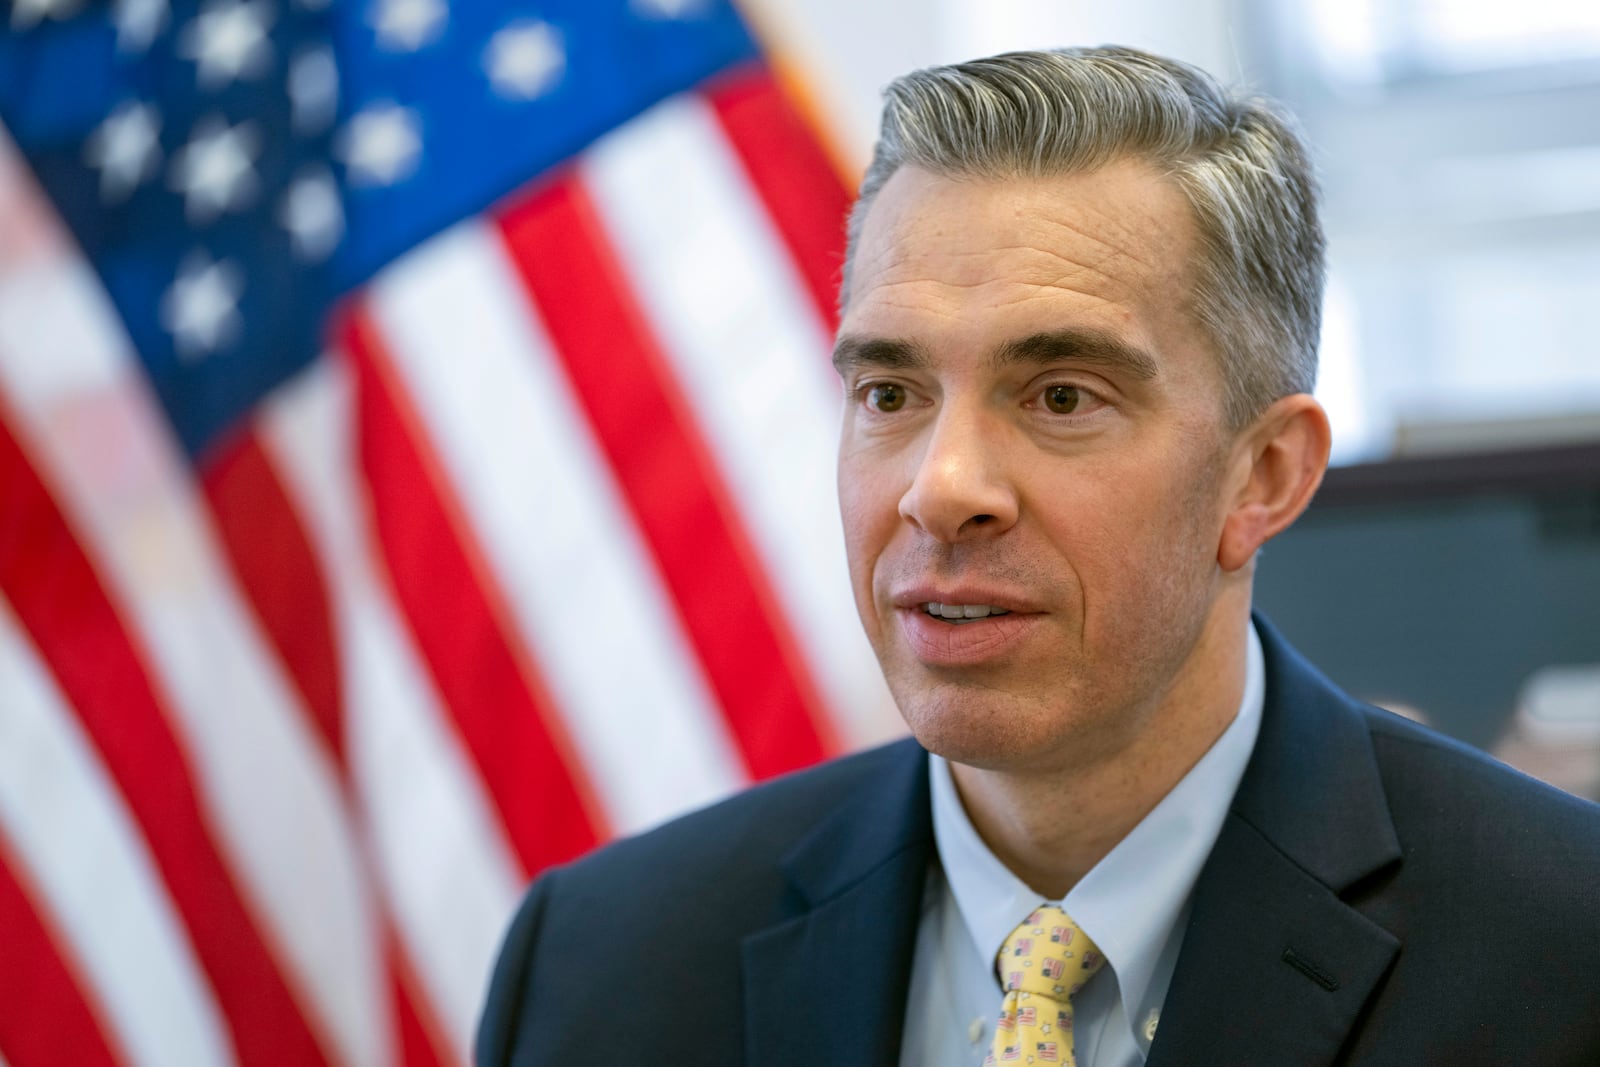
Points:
(508, 987)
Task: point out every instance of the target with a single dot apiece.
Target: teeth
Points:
(962, 611)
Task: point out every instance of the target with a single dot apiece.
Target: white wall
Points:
(851, 48)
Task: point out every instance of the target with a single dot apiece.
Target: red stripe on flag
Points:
(273, 558)
(273, 561)
(668, 476)
(457, 615)
(796, 180)
(47, 1018)
(60, 602)
(415, 1046)
(420, 1038)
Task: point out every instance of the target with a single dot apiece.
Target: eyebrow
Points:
(880, 352)
(1070, 345)
(1079, 346)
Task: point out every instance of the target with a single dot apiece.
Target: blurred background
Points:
(416, 438)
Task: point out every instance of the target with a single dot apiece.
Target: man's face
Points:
(1033, 423)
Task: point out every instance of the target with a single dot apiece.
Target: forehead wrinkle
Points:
(1118, 247)
(1025, 293)
(1100, 268)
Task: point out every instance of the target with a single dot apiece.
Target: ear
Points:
(1279, 460)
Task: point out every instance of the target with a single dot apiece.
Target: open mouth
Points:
(962, 613)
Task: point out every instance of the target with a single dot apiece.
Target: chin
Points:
(987, 729)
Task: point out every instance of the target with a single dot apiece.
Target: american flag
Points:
(416, 440)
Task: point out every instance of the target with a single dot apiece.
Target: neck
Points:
(1051, 827)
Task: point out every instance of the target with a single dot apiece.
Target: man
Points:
(1080, 317)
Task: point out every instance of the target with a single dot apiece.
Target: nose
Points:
(960, 491)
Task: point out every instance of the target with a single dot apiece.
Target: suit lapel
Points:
(829, 983)
(1275, 966)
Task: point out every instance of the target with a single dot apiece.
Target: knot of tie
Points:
(1042, 964)
(1048, 955)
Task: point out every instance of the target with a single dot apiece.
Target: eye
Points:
(1062, 399)
(886, 397)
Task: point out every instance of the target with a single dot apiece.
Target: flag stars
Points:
(311, 212)
(406, 25)
(125, 149)
(525, 59)
(228, 41)
(215, 171)
(313, 89)
(380, 145)
(138, 23)
(201, 307)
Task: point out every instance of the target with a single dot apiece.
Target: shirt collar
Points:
(1129, 902)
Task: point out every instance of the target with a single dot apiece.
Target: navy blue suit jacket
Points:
(1378, 895)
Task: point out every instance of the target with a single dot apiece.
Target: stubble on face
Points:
(1109, 686)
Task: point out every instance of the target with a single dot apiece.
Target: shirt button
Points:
(975, 1030)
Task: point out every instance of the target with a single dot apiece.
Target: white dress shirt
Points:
(1133, 904)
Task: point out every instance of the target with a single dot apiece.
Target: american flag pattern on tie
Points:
(416, 440)
(1042, 965)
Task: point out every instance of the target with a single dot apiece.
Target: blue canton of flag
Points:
(232, 167)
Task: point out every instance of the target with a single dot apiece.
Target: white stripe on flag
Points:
(752, 358)
(445, 865)
(86, 414)
(84, 851)
(546, 511)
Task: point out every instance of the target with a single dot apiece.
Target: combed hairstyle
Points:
(1238, 161)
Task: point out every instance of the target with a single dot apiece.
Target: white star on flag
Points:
(125, 148)
(214, 170)
(25, 13)
(201, 308)
(525, 59)
(380, 145)
(312, 214)
(406, 25)
(228, 40)
(138, 23)
(313, 89)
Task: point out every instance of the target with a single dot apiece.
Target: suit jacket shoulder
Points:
(1382, 894)
(1496, 903)
(686, 930)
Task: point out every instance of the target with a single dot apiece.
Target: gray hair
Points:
(1237, 159)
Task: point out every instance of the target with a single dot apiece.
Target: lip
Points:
(974, 643)
(913, 597)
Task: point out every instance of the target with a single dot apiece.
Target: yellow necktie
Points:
(1042, 965)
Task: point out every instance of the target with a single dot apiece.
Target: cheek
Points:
(869, 512)
(1103, 520)
(1137, 539)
